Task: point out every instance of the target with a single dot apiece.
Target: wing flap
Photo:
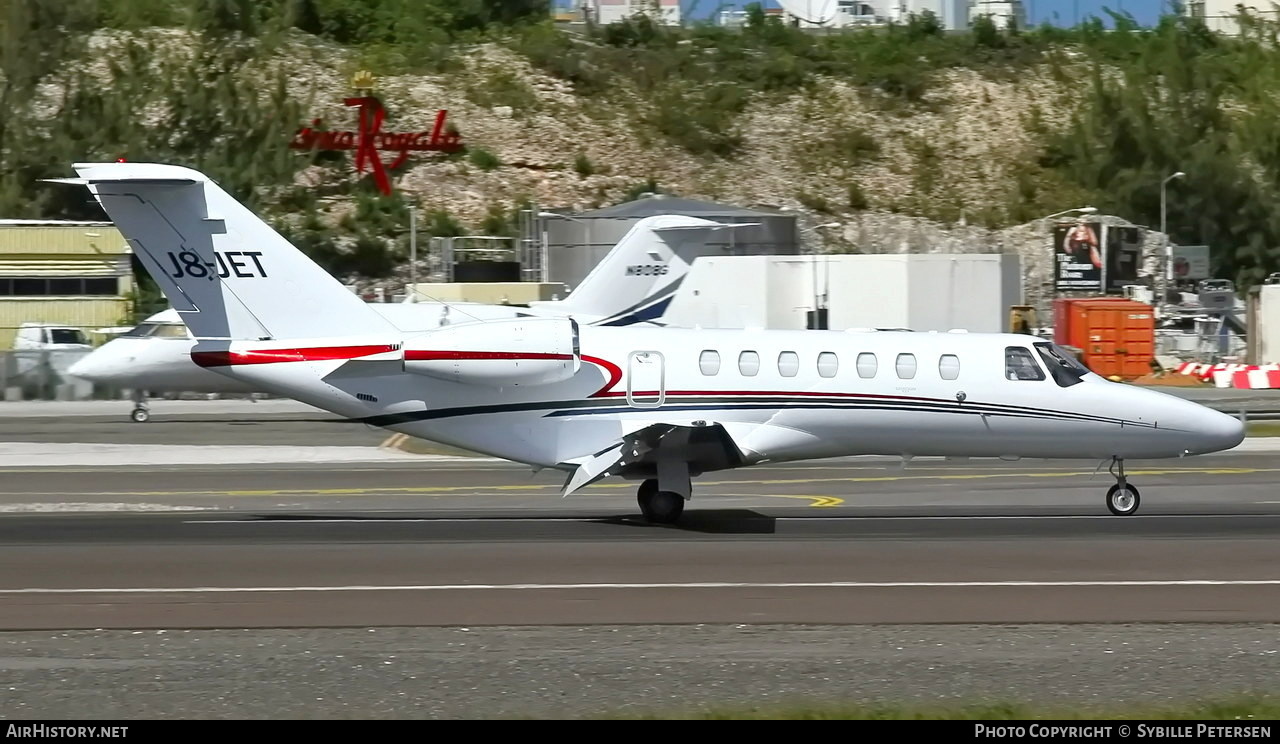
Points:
(640, 453)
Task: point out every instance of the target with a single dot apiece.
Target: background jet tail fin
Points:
(227, 273)
(638, 278)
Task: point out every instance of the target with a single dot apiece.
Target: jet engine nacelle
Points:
(525, 351)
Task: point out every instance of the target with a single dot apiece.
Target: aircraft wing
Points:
(704, 448)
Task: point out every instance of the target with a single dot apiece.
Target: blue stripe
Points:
(648, 313)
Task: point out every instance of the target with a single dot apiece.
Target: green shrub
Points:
(482, 158)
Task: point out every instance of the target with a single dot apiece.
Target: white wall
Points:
(723, 292)
(1001, 11)
(1268, 324)
(613, 11)
(922, 292)
(954, 14)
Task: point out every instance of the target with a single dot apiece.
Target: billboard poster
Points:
(1123, 253)
(1189, 262)
(1077, 256)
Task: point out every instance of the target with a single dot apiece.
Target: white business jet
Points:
(632, 284)
(658, 405)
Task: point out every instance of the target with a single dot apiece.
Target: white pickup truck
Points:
(64, 346)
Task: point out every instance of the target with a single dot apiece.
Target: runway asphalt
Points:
(492, 544)
(455, 587)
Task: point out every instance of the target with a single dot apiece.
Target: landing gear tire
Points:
(659, 507)
(140, 415)
(1123, 500)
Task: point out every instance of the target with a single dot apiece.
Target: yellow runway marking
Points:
(817, 500)
(423, 490)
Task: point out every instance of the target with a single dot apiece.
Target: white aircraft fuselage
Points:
(657, 405)
(771, 417)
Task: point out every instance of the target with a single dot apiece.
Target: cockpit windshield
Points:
(141, 330)
(1065, 369)
(1020, 365)
(171, 330)
(162, 330)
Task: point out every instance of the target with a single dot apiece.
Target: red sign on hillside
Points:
(369, 139)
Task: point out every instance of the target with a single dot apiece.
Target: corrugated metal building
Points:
(70, 273)
(575, 243)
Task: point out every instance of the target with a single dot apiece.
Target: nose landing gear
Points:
(140, 414)
(1123, 498)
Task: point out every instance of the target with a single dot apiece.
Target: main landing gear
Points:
(1123, 498)
(140, 414)
(659, 507)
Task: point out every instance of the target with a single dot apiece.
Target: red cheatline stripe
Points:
(615, 374)
(416, 355)
(274, 356)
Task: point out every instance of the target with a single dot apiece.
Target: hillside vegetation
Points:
(991, 128)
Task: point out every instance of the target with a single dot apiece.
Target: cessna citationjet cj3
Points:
(658, 405)
(632, 284)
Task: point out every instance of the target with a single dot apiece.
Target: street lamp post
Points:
(1167, 252)
(413, 253)
(813, 263)
(1081, 210)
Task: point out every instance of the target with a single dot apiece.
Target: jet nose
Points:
(1216, 431)
(91, 367)
(80, 368)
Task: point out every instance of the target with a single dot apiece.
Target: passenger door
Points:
(646, 379)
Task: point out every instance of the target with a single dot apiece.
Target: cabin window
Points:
(867, 365)
(748, 363)
(788, 364)
(709, 362)
(1020, 365)
(906, 366)
(828, 363)
(949, 366)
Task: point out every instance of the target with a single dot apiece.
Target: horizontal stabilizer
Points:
(153, 181)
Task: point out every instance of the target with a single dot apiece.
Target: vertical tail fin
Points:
(638, 278)
(226, 272)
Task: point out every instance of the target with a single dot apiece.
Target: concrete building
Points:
(920, 292)
(1001, 12)
(954, 14)
(1222, 15)
(1264, 324)
(570, 245)
(832, 13)
(74, 274)
(605, 12)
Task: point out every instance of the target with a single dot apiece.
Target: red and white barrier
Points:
(1244, 376)
(1255, 377)
(1196, 369)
